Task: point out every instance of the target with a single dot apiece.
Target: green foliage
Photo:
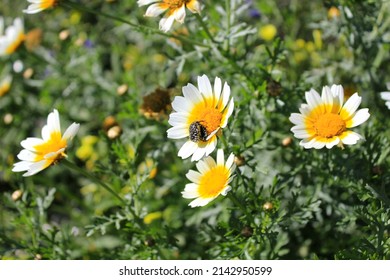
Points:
(286, 202)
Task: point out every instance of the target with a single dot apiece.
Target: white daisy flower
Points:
(39, 5)
(386, 95)
(200, 114)
(212, 180)
(38, 153)
(12, 38)
(175, 10)
(5, 85)
(324, 120)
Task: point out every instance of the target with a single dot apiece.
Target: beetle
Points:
(197, 132)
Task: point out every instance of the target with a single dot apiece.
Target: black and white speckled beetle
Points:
(197, 132)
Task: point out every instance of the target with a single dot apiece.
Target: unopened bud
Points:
(268, 205)
(16, 195)
(287, 141)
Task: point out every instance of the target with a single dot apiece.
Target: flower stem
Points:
(206, 29)
(138, 27)
(234, 199)
(73, 166)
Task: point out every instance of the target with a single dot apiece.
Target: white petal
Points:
(296, 118)
(190, 191)
(180, 104)
(220, 157)
(31, 142)
(338, 91)
(191, 187)
(71, 131)
(360, 117)
(231, 170)
(202, 166)
(204, 86)
(180, 14)
(45, 133)
(194, 176)
(211, 145)
(318, 145)
(307, 143)
(178, 132)
(199, 153)
(333, 143)
(166, 23)
(305, 110)
(33, 8)
(351, 138)
(53, 122)
(187, 149)
(226, 190)
(385, 95)
(350, 106)
(154, 10)
(21, 166)
(212, 134)
(229, 161)
(210, 162)
(53, 155)
(193, 6)
(327, 96)
(228, 114)
(191, 93)
(225, 95)
(302, 134)
(26, 155)
(313, 98)
(145, 2)
(178, 118)
(200, 202)
(36, 167)
(217, 89)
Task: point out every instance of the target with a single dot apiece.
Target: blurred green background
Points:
(117, 81)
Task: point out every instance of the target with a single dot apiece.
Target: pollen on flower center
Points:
(329, 125)
(48, 3)
(208, 117)
(174, 4)
(54, 144)
(213, 182)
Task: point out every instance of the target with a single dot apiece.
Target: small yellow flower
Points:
(37, 6)
(149, 218)
(324, 120)
(175, 10)
(268, 32)
(38, 153)
(212, 180)
(333, 12)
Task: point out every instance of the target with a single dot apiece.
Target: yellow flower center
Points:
(12, 47)
(175, 4)
(329, 125)
(54, 144)
(47, 4)
(208, 117)
(213, 182)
